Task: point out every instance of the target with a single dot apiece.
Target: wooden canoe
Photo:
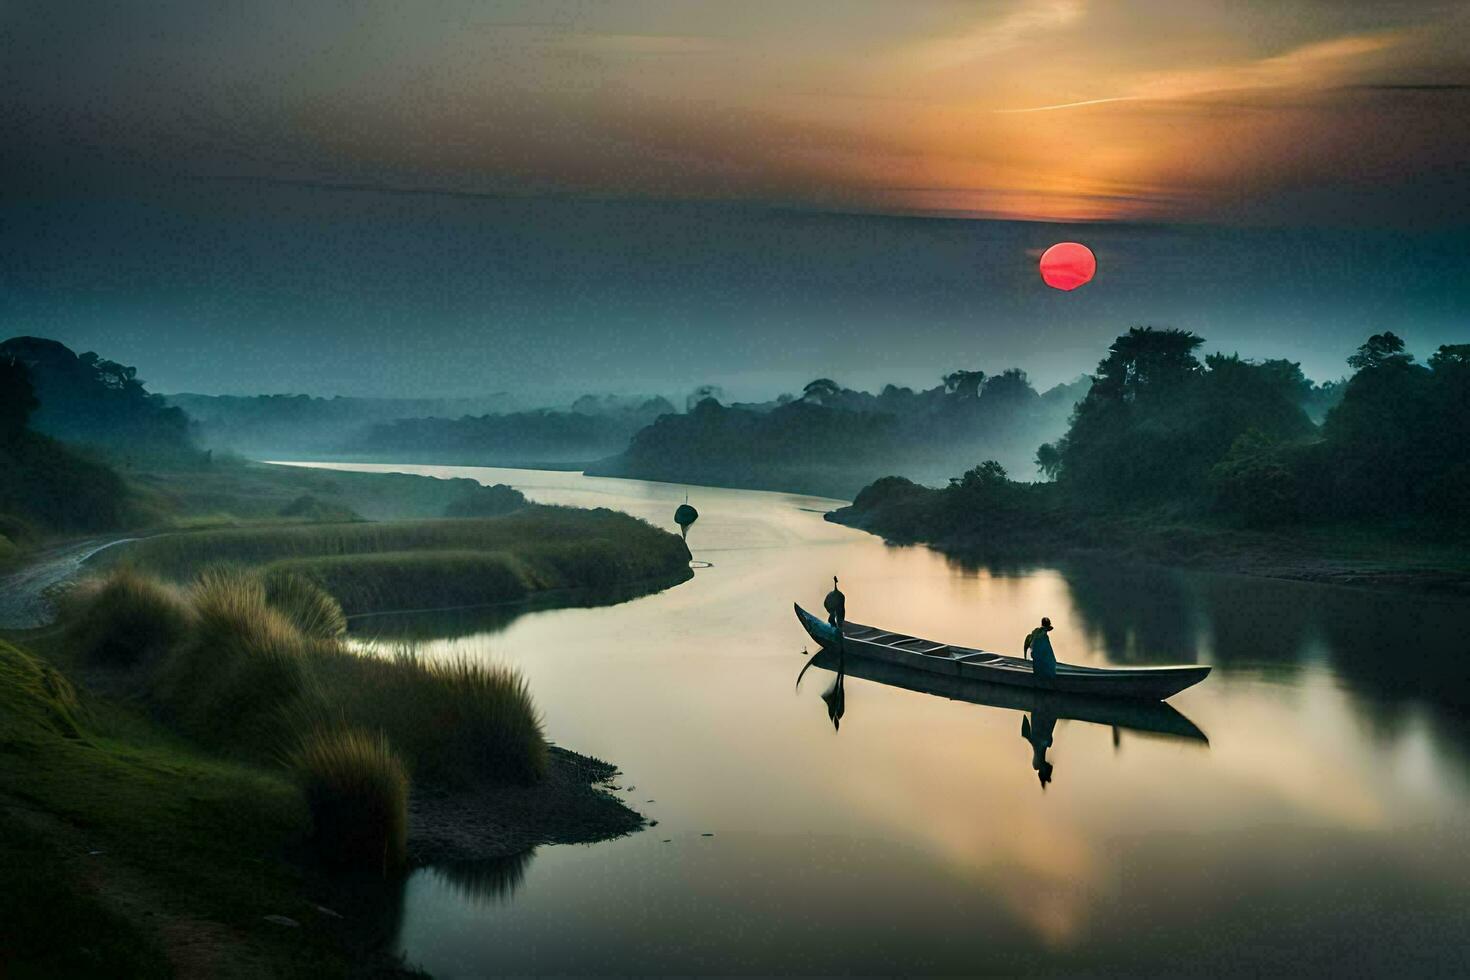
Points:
(1131, 714)
(1145, 683)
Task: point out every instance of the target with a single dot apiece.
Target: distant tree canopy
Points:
(99, 403)
(833, 440)
(1157, 419)
(1161, 427)
(540, 436)
(1399, 441)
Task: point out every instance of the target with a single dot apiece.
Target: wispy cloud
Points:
(1320, 64)
(1027, 21)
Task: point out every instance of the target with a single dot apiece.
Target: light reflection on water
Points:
(1322, 827)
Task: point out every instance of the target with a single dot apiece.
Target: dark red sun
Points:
(1067, 265)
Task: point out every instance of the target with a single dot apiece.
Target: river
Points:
(1322, 827)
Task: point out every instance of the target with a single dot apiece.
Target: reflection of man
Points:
(1037, 730)
(1038, 645)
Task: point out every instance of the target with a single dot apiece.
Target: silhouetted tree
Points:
(1048, 460)
(821, 391)
(964, 384)
(1156, 420)
(1146, 361)
(17, 398)
(1380, 349)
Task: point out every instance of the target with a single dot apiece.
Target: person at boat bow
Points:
(1038, 646)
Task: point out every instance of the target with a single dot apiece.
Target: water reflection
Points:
(485, 883)
(420, 625)
(1040, 710)
(836, 695)
(1328, 812)
(1402, 651)
(1037, 729)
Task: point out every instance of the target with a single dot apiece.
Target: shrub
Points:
(305, 603)
(125, 618)
(456, 721)
(241, 669)
(357, 788)
(486, 501)
(309, 508)
(1256, 481)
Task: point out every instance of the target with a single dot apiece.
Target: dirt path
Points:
(23, 601)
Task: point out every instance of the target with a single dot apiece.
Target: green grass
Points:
(180, 556)
(244, 677)
(232, 491)
(415, 580)
(357, 788)
(228, 682)
(51, 925)
(434, 564)
(206, 835)
(315, 747)
(457, 723)
(126, 617)
(309, 607)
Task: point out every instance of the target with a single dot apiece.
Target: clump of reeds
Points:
(242, 665)
(248, 662)
(457, 722)
(305, 603)
(124, 617)
(414, 580)
(357, 788)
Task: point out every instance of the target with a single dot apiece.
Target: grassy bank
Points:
(436, 564)
(234, 491)
(253, 665)
(1003, 521)
(126, 851)
(233, 762)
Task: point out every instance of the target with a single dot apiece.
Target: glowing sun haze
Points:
(1053, 109)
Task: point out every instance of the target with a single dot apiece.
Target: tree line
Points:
(1160, 427)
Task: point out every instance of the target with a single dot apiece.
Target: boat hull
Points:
(914, 653)
(1132, 714)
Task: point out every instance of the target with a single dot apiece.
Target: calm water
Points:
(1323, 826)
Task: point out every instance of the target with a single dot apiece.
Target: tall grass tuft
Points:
(241, 669)
(125, 618)
(305, 603)
(357, 788)
(247, 662)
(457, 722)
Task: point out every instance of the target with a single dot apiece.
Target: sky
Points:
(833, 186)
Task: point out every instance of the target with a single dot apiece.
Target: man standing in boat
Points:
(1038, 646)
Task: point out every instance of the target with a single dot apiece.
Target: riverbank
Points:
(129, 850)
(150, 793)
(1021, 524)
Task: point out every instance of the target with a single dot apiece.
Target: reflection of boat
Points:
(1148, 683)
(1131, 713)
